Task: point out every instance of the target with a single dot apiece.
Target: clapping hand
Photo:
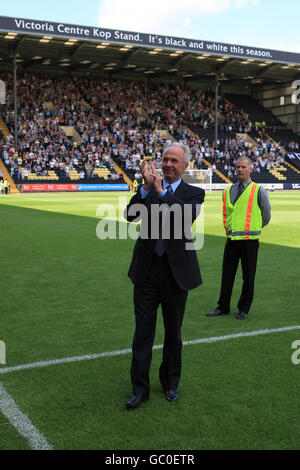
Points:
(148, 178)
(156, 179)
(151, 175)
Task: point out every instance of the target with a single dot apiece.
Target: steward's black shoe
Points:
(242, 315)
(171, 395)
(216, 313)
(136, 400)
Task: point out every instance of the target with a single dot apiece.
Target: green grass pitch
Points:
(65, 293)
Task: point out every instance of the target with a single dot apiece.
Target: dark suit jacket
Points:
(183, 263)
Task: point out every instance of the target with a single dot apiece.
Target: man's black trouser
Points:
(235, 250)
(158, 288)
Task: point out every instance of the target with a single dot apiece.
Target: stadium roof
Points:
(47, 47)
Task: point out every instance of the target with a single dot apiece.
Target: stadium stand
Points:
(258, 115)
(91, 131)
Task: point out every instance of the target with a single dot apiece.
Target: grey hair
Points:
(246, 158)
(185, 148)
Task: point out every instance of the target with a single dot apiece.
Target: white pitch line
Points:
(21, 422)
(122, 352)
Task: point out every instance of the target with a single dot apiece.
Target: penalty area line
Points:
(21, 422)
(123, 352)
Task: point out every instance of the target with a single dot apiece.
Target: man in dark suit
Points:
(164, 267)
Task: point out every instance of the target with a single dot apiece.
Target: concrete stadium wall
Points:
(279, 101)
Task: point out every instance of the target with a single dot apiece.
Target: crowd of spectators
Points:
(223, 153)
(120, 122)
(294, 146)
(43, 107)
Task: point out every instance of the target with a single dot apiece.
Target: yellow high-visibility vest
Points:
(242, 220)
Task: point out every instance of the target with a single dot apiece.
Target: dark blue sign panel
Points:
(294, 159)
(103, 187)
(291, 185)
(90, 33)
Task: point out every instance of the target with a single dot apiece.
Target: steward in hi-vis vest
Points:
(246, 210)
(242, 220)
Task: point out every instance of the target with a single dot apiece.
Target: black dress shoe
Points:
(242, 315)
(171, 395)
(135, 400)
(216, 313)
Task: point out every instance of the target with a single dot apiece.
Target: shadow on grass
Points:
(65, 292)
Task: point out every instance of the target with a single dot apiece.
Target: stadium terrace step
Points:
(141, 112)
(51, 175)
(228, 101)
(192, 132)
(74, 175)
(284, 137)
(12, 186)
(4, 129)
(102, 172)
(252, 142)
(292, 173)
(50, 106)
(224, 178)
(71, 132)
(277, 143)
(123, 175)
(277, 172)
(208, 164)
(292, 167)
(256, 112)
(165, 134)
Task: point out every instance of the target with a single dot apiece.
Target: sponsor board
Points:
(125, 187)
(291, 186)
(103, 187)
(73, 187)
(221, 186)
(49, 187)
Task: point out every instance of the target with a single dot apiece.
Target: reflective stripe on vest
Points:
(249, 209)
(243, 234)
(224, 208)
(241, 224)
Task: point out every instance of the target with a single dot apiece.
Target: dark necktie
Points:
(159, 246)
(239, 192)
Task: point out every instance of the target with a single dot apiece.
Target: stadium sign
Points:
(294, 158)
(103, 187)
(22, 25)
(49, 187)
(291, 186)
(296, 93)
(74, 187)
